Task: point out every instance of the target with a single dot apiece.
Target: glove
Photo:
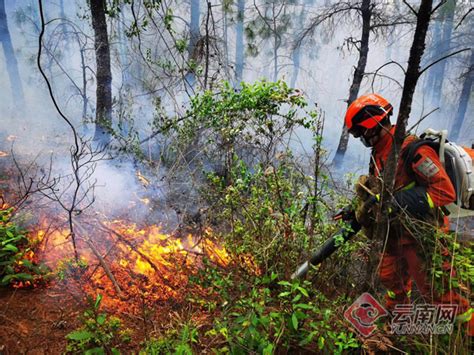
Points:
(365, 184)
(365, 212)
(414, 201)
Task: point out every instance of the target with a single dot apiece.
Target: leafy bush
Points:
(267, 213)
(252, 123)
(15, 268)
(174, 342)
(99, 334)
(262, 315)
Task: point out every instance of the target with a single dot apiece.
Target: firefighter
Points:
(422, 187)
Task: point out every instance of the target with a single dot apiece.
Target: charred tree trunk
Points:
(366, 10)
(239, 45)
(103, 115)
(411, 78)
(10, 58)
(463, 100)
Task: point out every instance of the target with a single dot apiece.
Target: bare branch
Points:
(464, 17)
(443, 58)
(422, 119)
(410, 7)
(441, 3)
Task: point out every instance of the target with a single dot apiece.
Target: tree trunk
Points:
(123, 50)
(239, 43)
(103, 115)
(392, 35)
(225, 27)
(463, 100)
(194, 26)
(276, 46)
(411, 78)
(432, 55)
(296, 55)
(357, 79)
(444, 46)
(11, 62)
(194, 35)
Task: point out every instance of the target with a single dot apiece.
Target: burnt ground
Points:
(36, 321)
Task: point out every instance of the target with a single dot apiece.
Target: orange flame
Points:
(140, 261)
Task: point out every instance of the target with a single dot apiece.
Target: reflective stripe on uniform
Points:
(430, 201)
(409, 186)
(466, 316)
(428, 197)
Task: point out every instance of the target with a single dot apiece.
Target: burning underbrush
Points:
(127, 263)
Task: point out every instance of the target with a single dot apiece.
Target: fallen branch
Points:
(130, 244)
(102, 262)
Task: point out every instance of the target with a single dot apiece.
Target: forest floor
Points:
(36, 321)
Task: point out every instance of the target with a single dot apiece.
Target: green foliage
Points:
(14, 247)
(256, 111)
(173, 342)
(251, 123)
(70, 267)
(181, 45)
(262, 315)
(267, 212)
(99, 333)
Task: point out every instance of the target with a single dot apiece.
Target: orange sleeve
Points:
(429, 172)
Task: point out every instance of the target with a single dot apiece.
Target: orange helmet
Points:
(366, 112)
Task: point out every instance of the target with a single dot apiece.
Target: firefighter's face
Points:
(368, 137)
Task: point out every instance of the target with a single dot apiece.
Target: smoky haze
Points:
(326, 65)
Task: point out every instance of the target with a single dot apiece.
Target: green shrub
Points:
(173, 342)
(263, 315)
(14, 247)
(99, 333)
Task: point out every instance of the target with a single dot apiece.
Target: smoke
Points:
(325, 75)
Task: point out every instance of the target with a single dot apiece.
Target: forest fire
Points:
(125, 262)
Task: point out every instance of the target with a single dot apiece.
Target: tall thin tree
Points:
(239, 43)
(466, 94)
(103, 115)
(444, 44)
(366, 14)
(11, 61)
(193, 46)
